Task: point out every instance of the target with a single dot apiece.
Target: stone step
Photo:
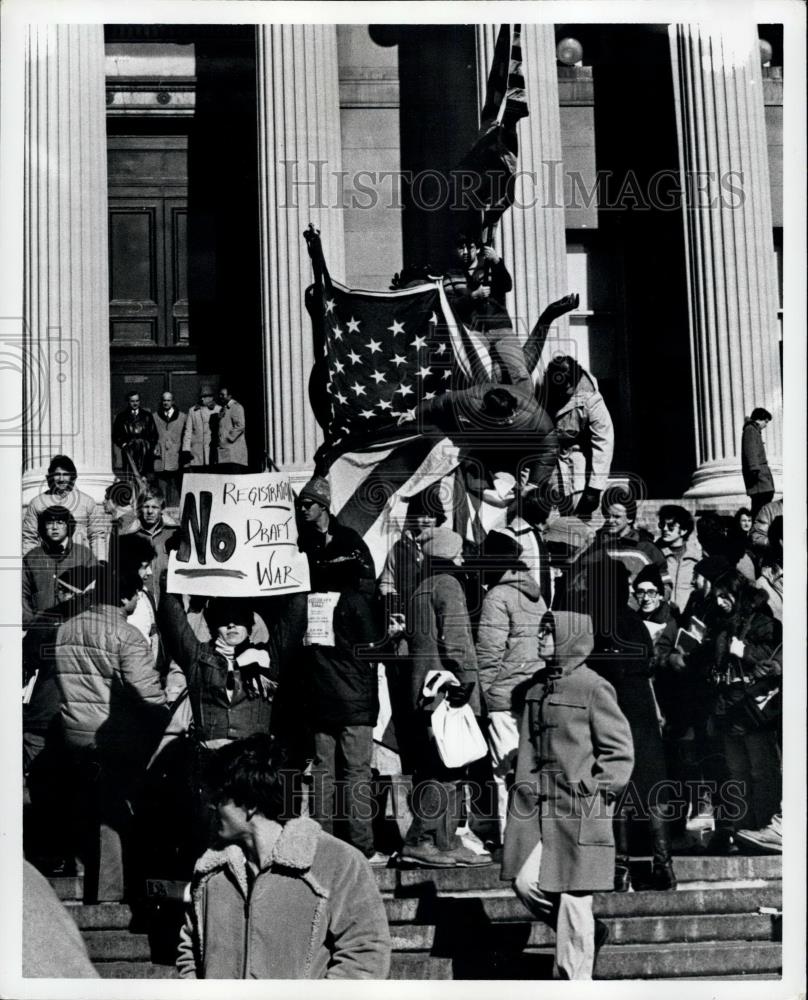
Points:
(117, 946)
(135, 970)
(402, 966)
(707, 959)
(698, 870)
(454, 938)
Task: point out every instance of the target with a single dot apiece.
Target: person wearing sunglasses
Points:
(681, 548)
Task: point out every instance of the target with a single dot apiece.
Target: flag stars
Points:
(378, 377)
(448, 373)
(358, 389)
(396, 327)
(337, 332)
(418, 343)
(355, 359)
(405, 389)
(342, 399)
(385, 404)
(429, 395)
(441, 349)
(367, 414)
(329, 305)
(374, 346)
(424, 371)
(398, 359)
(353, 325)
(433, 318)
(338, 367)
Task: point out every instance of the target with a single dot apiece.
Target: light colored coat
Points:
(575, 754)
(314, 913)
(91, 523)
(232, 443)
(170, 434)
(508, 639)
(196, 436)
(585, 438)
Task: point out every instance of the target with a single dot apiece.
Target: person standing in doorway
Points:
(135, 433)
(196, 438)
(170, 423)
(230, 442)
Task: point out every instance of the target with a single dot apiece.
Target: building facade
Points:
(169, 172)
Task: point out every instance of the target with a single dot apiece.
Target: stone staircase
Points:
(465, 924)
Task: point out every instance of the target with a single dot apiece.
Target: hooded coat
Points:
(508, 640)
(313, 913)
(575, 756)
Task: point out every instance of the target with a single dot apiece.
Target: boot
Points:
(722, 842)
(662, 873)
(622, 874)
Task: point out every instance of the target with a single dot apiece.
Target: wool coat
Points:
(508, 640)
(40, 567)
(757, 475)
(313, 913)
(170, 432)
(575, 755)
(585, 439)
(196, 434)
(232, 445)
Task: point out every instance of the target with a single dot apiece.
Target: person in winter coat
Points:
(748, 675)
(441, 641)
(170, 423)
(43, 564)
(624, 655)
(759, 535)
(61, 491)
(230, 443)
(681, 550)
(585, 435)
(341, 679)
(281, 898)
(575, 757)
(196, 438)
(507, 655)
(770, 580)
(152, 528)
(135, 433)
(113, 710)
(757, 475)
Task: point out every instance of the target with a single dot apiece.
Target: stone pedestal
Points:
(731, 267)
(531, 236)
(66, 381)
(300, 158)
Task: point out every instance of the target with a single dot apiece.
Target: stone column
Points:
(531, 235)
(300, 156)
(66, 382)
(731, 269)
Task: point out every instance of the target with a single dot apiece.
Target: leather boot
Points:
(622, 874)
(662, 874)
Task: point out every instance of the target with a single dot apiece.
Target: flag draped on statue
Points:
(492, 160)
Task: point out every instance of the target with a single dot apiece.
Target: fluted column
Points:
(66, 381)
(300, 156)
(731, 269)
(531, 236)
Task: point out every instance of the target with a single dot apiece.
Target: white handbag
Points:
(457, 735)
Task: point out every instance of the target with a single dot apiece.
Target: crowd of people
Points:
(628, 687)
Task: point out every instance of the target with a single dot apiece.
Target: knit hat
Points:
(317, 489)
(441, 543)
(712, 567)
(649, 574)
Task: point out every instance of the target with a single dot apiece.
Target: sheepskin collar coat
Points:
(313, 912)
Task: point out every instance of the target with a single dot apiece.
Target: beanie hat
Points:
(649, 574)
(317, 489)
(712, 567)
(441, 543)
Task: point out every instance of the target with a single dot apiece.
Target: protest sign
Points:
(238, 537)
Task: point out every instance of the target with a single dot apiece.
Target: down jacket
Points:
(508, 639)
(575, 755)
(110, 691)
(313, 913)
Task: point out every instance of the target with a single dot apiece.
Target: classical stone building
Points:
(169, 172)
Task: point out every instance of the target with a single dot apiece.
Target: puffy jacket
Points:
(508, 639)
(681, 562)
(91, 523)
(339, 562)
(770, 582)
(40, 567)
(215, 717)
(341, 680)
(314, 912)
(110, 691)
(585, 439)
(759, 535)
(757, 475)
(170, 432)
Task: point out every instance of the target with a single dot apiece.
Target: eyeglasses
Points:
(306, 504)
(649, 592)
(669, 524)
